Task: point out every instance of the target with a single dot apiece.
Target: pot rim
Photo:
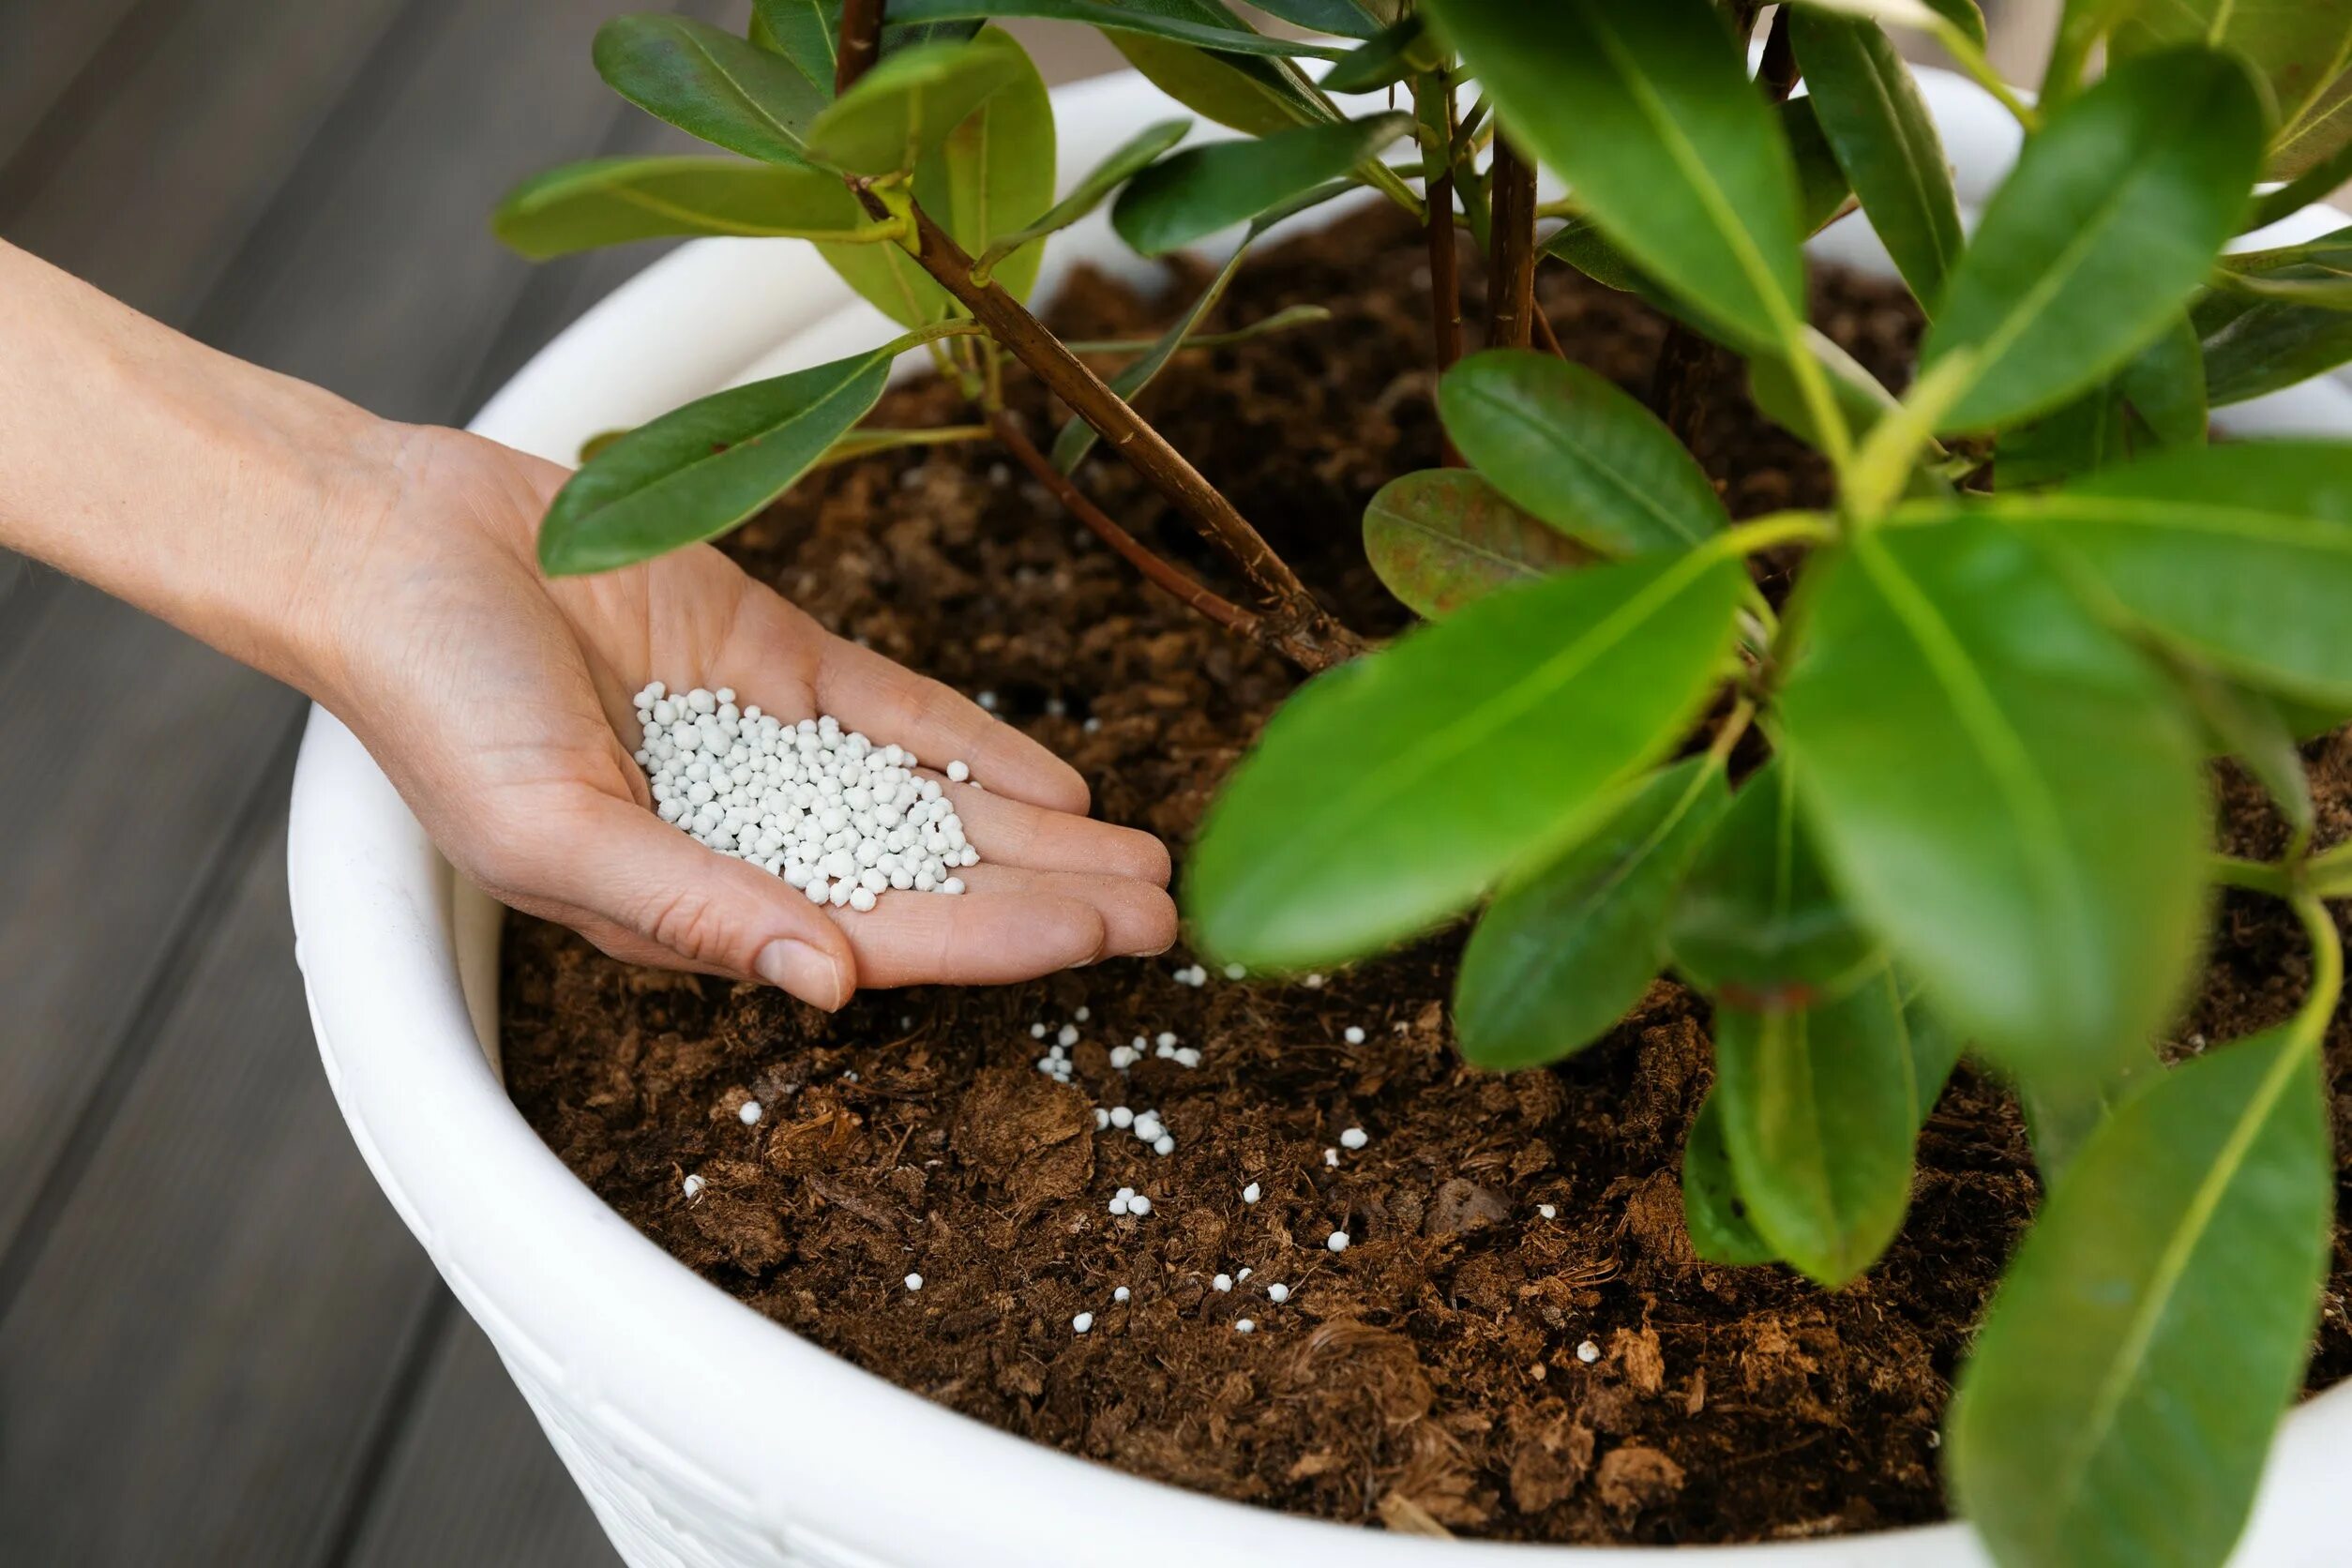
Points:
(611, 1336)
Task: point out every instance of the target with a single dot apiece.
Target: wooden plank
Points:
(375, 274)
(471, 1478)
(188, 1365)
(165, 177)
(130, 753)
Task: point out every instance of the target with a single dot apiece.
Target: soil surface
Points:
(1519, 1343)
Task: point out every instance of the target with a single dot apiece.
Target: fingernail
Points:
(813, 976)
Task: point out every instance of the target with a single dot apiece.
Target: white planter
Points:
(703, 1434)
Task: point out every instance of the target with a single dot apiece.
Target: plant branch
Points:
(1511, 287)
(1433, 102)
(861, 43)
(1298, 624)
(1158, 572)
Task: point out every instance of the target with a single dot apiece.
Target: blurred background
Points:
(218, 1344)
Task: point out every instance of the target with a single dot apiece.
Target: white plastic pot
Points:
(702, 1433)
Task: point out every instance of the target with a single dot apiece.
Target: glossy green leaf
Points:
(1886, 142)
(2063, 1117)
(1862, 394)
(1125, 160)
(2155, 402)
(807, 34)
(712, 84)
(2298, 48)
(1077, 437)
(1250, 96)
(2314, 138)
(1712, 1210)
(1757, 922)
(907, 103)
(699, 470)
(2001, 787)
(2240, 553)
(2150, 1331)
(1918, 15)
(1566, 950)
(614, 200)
(1568, 445)
(2255, 345)
(1822, 194)
(1817, 1112)
(1443, 538)
(993, 174)
(1935, 1050)
(2259, 732)
(1403, 51)
(1159, 21)
(1372, 807)
(2113, 216)
(1347, 19)
(1646, 112)
(1195, 193)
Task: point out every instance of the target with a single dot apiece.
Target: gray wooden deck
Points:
(218, 1344)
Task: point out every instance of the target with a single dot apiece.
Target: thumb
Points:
(698, 907)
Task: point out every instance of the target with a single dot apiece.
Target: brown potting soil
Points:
(1428, 1377)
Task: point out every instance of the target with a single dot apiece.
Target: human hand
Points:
(497, 701)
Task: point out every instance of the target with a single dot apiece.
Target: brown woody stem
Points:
(1295, 622)
(861, 43)
(1156, 570)
(1511, 293)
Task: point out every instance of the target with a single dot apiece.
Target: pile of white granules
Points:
(829, 812)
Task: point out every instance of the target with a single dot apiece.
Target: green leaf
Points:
(2315, 135)
(1249, 96)
(1564, 951)
(1757, 922)
(1918, 15)
(1647, 114)
(2149, 1332)
(1816, 1107)
(1373, 807)
(992, 174)
(1443, 538)
(1195, 193)
(2298, 49)
(1712, 1210)
(1159, 21)
(2157, 400)
(1345, 18)
(906, 104)
(699, 470)
(1401, 52)
(612, 200)
(1568, 445)
(2002, 788)
(1886, 142)
(1935, 1051)
(2060, 1118)
(1125, 160)
(2258, 731)
(2255, 345)
(712, 84)
(2114, 214)
(2240, 553)
(1862, 394)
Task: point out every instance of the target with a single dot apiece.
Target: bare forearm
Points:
(191, 484)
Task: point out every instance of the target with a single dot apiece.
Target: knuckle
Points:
(693, 925)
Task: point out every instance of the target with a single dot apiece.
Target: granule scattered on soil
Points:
(1517, 1341)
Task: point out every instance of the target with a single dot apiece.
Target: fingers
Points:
(891, 702)
(1015, 833)
(1138, 918)
(976, 939)
(622, 866)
